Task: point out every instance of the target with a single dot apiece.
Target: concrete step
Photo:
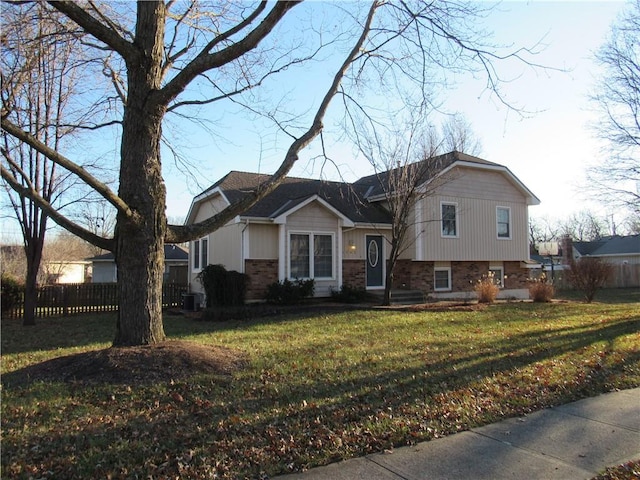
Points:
(404, 297)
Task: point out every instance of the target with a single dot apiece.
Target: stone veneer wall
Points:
(353, 273)
(261, 273)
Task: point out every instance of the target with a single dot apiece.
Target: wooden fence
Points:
(623, 276)
(69, 299)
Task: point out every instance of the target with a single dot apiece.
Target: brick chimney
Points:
(567, 249)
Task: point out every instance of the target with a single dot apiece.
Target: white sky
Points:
(547, 149)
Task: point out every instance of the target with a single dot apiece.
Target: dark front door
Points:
(375, 261)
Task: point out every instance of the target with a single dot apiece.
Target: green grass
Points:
(317, 388)
(606, 295)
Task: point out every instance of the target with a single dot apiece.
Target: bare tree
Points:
(412, 175)
(542, 230)
(583, 226)
(616, 179)
(458, 135)
(38, 80)
(99, 217)
(162, 57)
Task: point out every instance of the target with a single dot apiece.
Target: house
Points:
(67, 271)
(338, 233)
(623, 252)
(176, 260)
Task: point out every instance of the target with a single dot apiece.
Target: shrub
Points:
(487, 289)
(12, 291)
(222, 287)
(541, 290)
(589, 275)
(349, 294)
(287, 292)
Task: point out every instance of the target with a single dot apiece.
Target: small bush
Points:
(589, 275)
(222, 287)
(349, 294)
(487, 289)
(288, 292)
(12, 292)
(541, 290)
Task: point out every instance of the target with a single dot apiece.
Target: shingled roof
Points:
(426, 169)
(351, 200)
(613, 245)
(346, 198)
(171, 253)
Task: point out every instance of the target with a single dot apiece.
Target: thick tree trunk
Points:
(140, 244)
(140, 240)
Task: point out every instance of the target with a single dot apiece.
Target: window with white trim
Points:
(310, 255)
(441, 279)
(200, 251)
(449, 215)
(498, 275)
(503, 222)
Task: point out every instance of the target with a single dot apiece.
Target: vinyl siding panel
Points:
(225, 247)
(476, 196)
(263, 241)
(209, 208)
(481, 185)
(313, 217)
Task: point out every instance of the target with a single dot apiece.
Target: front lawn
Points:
(313, 389)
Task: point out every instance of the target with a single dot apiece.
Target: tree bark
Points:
(33, 251)
(140, 239)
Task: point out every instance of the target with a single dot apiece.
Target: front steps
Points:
(403, 297)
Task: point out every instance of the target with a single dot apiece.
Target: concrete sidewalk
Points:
(573, 441)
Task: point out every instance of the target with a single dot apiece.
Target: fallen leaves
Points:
(318, 390)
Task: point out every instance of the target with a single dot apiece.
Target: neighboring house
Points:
(337, 233)
(623, 252)
(176, 261)
(67, 271)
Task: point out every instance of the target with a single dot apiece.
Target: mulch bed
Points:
(163, 362)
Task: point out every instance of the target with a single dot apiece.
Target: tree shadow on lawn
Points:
(255, 423)
(58, 332)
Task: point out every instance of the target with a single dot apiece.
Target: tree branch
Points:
(64, 162)
(51, 212)
(206, 61)
(178, 234)
(96, 28)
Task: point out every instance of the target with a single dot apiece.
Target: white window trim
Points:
(499, 268)
(508, 209)
(457, 235)
(311, 235)
(199, 268)
(442, 269)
